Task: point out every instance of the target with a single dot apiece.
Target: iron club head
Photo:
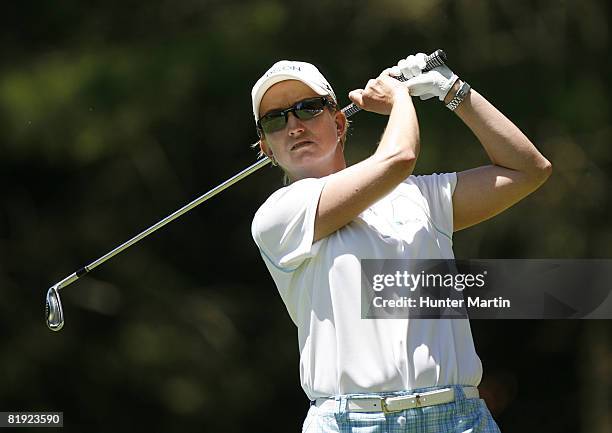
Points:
(53, 309)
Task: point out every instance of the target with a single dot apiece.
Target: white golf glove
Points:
(412, 66)
(426, 85)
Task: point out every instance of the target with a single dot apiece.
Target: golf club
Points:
(53, 306)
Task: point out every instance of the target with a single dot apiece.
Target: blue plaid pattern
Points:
(460, 416)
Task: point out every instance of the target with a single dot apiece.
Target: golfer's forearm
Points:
(503, 142)
(349, 192)
(401, 138)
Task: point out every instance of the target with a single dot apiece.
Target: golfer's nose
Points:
(294, 125)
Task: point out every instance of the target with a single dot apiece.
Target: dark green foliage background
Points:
(114, 114)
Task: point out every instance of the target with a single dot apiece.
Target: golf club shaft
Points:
(435, 59)
(216, 190)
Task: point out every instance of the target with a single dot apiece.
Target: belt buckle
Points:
(383, 405)
(417, 398)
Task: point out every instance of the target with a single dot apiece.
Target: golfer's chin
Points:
(310, 167)
(311, 161)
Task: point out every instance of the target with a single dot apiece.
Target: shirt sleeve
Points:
(283, 227)
(437, 189)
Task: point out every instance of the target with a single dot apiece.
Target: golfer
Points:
(397, 375)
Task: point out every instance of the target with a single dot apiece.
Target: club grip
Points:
(435, 59)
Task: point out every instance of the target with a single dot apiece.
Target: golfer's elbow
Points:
(401, 162)
(404, 156)
(540, 172)
(544, 170)
(406, 165)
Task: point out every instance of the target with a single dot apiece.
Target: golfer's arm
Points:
(517, 167)
(349, 192)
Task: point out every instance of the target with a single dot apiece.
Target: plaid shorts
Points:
(460, 416)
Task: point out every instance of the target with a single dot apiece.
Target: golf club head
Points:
(53, 309)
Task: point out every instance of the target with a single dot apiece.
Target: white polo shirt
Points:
(320, 285)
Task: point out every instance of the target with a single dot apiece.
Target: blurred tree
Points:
(115, 114)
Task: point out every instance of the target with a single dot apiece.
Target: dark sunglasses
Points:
(303, 110)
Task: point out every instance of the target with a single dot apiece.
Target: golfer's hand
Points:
(436, 82)
(380, 93)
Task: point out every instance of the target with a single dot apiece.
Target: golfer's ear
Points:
(263, 146)
(341, 122)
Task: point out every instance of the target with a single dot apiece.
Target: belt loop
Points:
(459, 394)
(342, 404)
(460, 400)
